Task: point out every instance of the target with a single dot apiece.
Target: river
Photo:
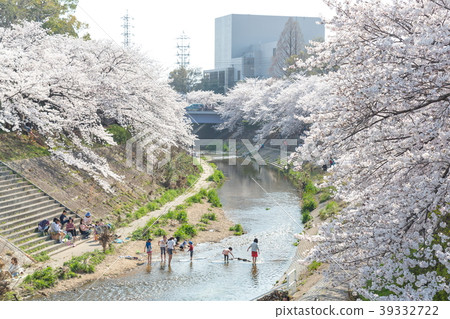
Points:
(265, 204)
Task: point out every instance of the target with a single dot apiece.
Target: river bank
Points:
(307, 281)
(115, 265)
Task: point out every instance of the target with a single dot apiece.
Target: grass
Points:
(217, 177)
(17, 147)
(186, 231)
(41, 279)
(213, 198)
(330, 210)
(326, 193)
(197, 198)
(238, 230)
(120, 134)
(43, 256)
(209, 216)
(314, 266)
(85, 264)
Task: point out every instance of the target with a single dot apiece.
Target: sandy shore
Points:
(114, 266)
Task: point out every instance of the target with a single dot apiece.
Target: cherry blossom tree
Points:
(209, 99)
(380, 108)
(387, 126)
(276, 106)
(65, 87)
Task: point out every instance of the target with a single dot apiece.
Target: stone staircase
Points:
(22, 206)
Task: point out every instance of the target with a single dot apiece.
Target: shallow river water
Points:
(266, 211)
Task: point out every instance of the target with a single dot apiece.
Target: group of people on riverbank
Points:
(64, 227)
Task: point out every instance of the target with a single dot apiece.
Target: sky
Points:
(158, 25)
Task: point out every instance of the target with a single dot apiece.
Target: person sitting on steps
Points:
(43, 226)
(84, 230)
(56, 232)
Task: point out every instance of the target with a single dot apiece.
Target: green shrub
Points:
(63, 275)
(152, 206)
(81, 268)
(138, 234)
(212, 164)
(314, 266)
(159, 232)
(306, 217)
(168, 196)
(140, 213)
(310, 188)
(309, 203)
(217, 177)
(186, 231)
(209, 216)
(191, 179)
(197, 198)
(181, 216)
(326, 193)
(86, 263)
(41, 279)
(120, 134)
(213, 198)
(330, 209)
(238, 230)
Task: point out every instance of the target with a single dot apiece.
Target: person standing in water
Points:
(191, 249)
(148, 249)
(226, 253)
(162, 247)
(255, 250)
(170, 247)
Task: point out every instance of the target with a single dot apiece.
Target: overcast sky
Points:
(158, 25)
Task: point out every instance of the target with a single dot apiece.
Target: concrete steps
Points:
(22, 207)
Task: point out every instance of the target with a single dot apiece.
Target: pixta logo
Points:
(149, 153)
(248, 150)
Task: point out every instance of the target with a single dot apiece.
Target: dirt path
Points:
(114, 266)
(89, 245)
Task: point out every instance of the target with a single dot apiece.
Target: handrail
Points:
(280, 287)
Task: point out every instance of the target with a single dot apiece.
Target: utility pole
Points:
(127, 34)
(183, 50)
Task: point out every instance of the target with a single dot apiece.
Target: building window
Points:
(239, 75)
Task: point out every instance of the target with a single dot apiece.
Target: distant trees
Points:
(184, 80)
(55, 15)
(290, 44)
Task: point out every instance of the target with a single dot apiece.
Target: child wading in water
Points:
(191, 249)
(255, 250)
(148, 249)
(226, 253)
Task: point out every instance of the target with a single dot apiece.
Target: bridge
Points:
(204, 117)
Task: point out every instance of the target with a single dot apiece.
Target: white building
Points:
(245, 45)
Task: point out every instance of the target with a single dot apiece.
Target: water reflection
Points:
(211, 278)
(254, 274)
